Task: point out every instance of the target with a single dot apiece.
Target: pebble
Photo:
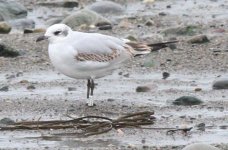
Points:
(84, 17)
(220, 84)
(200, 146)
(4, 89)
(187, 101)
(7, 121)
(182, 30)
(199, 39)
(142, 89)
(31, 87)
(165, 75)
(66, 4)
(149, 23)
(11, 10)
(104, 7)
(71, 89)
(7, 51)
(5, 28)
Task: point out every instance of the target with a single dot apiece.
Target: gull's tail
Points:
(143, 48)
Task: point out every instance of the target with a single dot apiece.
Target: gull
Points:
(90, 56)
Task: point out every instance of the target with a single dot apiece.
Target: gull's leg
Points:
(90, 100)
(88, 88)
(92, 87)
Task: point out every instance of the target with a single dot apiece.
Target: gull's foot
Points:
(90, 102)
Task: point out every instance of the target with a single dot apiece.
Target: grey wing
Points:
(101, 48)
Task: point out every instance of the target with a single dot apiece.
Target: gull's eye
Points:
(57, 32)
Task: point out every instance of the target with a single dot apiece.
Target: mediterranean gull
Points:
(89, 55)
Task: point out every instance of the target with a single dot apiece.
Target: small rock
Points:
(104, 26)
(182, 30)
(110, 100)
(10, 10)
(149, 23)
(220, 84)
(168, 6)
(127, 75)
(148, 1)
(26, 31)
(7, 121)
(165, 75)
(131, 38)
(162, 14)
(31, 87)
(84, 17)
(71, 89)
(22, 24)
(104, 7)
(24, 81)
(201, 126)
(19, 74)
(142, 89)
(200, 146)
(4, 89)
(53, 21)
(7, 51)
(198, 89)
(198, 39)
(4, 28)
(66, 4)
(187, 101)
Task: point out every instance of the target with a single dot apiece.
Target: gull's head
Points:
(55, 33)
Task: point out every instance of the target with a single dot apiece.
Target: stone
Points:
(71, 89)
(31, 87)
(66, 4)
(104, 26)
(4, 89)
(11, 10)
(198, 39)
(104, 7)
(200, 146)
(187, 101)
(165, 75)
(182, 30)
(4, 28)
(7, 121)
(53, 21)
(220, 84)
(6, 51)
(22, 24)
(84, 17)
(149, 23)
(142, 89)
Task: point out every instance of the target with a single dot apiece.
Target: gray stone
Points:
(7, 121)
(200, 146)
(71, 89)
(182, 30)
(53, 21)
(66, 4)
(31, 87)
(220, 84)
(84, 17)
(4, 28)
(198, 39)
(187, 101)
(104, 7)
(22, 24)
(10, 9)
(4, 89)
(142, 89)
(7, 51)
